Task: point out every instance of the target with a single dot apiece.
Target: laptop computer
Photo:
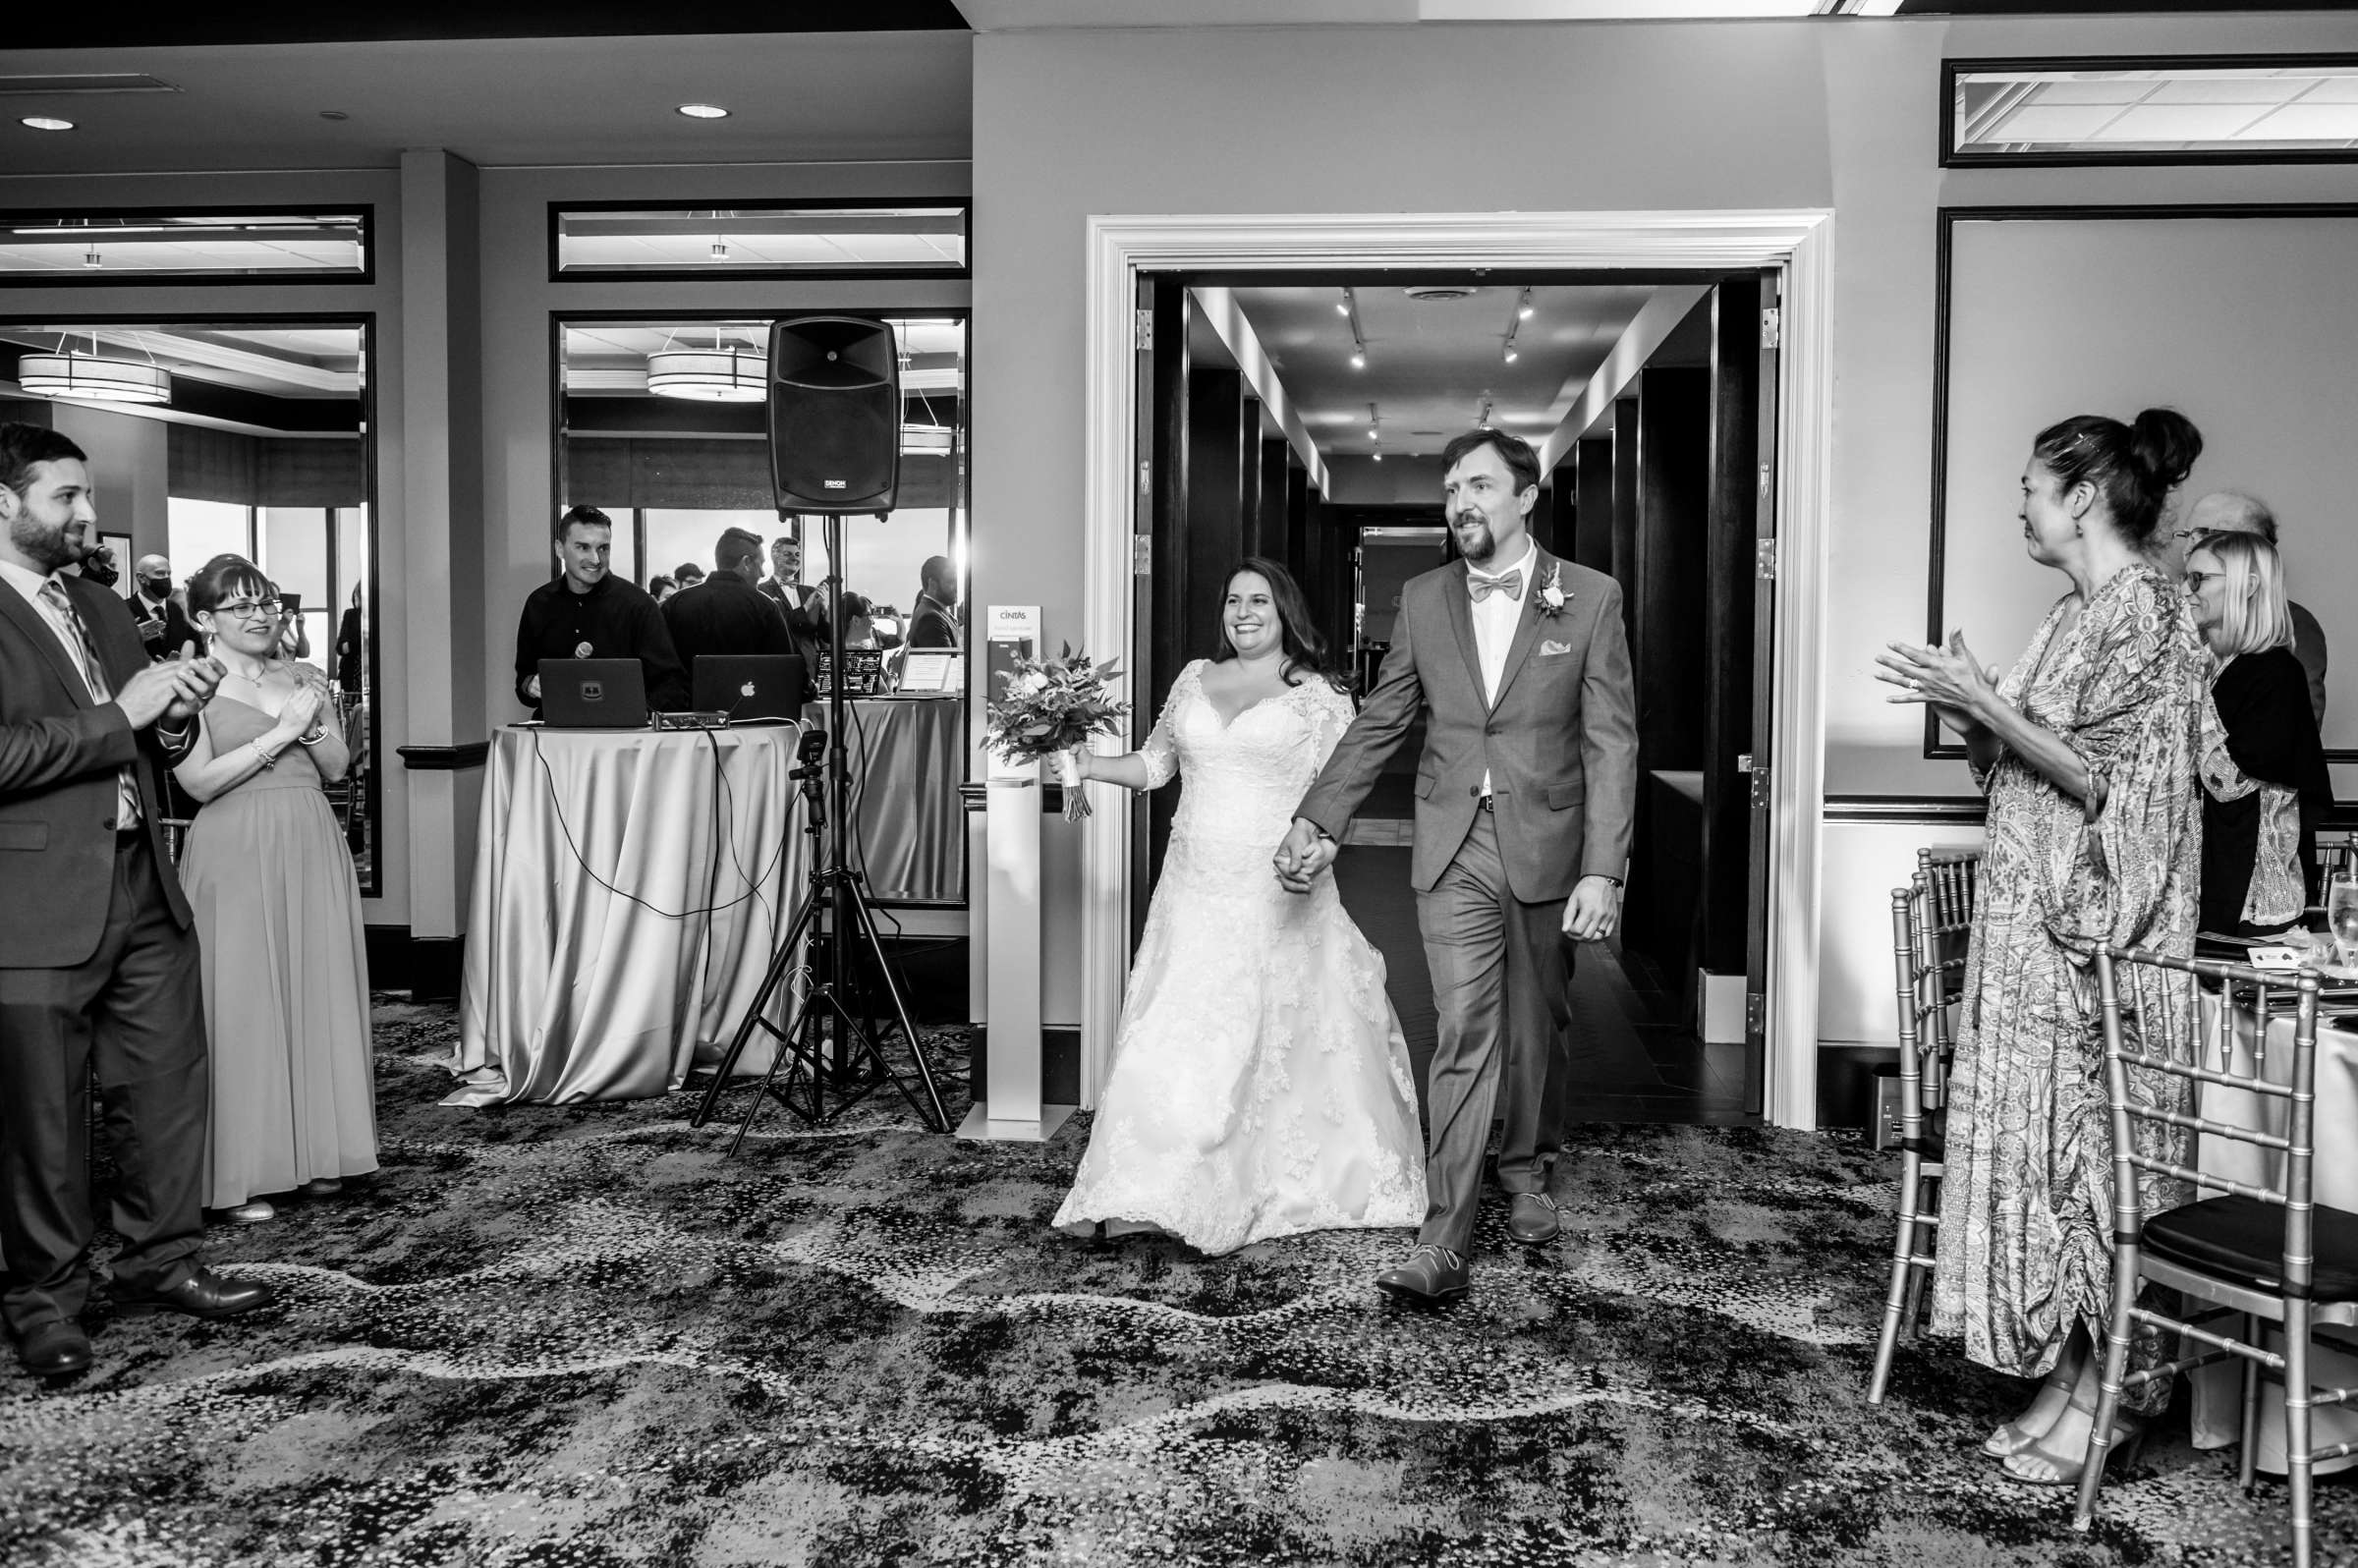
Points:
(749, 687)
(593, 694)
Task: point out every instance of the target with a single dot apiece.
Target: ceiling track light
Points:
(1349, 306)
(1514, 325)
(1523, 307)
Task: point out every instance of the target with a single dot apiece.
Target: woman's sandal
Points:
(2033, 1468)
(2014, 1436)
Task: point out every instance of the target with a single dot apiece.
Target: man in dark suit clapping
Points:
(97, 963)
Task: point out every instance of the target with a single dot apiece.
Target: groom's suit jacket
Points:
(1560, 743)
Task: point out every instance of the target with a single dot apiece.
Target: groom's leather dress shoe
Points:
(55, 1350)
(1430, 1276)
(1532, 1220)
(204, 1294)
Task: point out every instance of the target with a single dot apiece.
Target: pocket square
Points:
(1549, 646)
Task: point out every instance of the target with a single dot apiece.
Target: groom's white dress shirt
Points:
(1494, 618)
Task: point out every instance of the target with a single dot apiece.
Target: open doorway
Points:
(1302, 419)
(1118, 440)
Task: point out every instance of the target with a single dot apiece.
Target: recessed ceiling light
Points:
(45, 122)
(703, 111)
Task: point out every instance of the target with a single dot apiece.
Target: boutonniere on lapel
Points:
(1550, 596)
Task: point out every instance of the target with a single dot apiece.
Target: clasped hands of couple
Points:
(1308, 852)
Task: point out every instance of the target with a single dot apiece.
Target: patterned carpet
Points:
(583, 1337)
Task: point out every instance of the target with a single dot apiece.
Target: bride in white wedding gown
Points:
(1261, 1086)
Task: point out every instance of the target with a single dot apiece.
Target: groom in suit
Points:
(1521, 667)
(97, 963)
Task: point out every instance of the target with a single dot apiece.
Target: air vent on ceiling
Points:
(1432, 292)
(105, 82)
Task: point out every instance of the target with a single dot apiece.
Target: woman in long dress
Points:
(1261, 1086)
(283, 955)
(2088, 751)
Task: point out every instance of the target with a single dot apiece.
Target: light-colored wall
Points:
(328, 189)
(131, 462)
(1839, 113)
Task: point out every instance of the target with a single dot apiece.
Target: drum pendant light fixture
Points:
(93, 377)
(717, 374)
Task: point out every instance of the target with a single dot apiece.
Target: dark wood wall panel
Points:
(1728, 623)
(1592, 505)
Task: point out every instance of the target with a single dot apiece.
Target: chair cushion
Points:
(2243, 1239)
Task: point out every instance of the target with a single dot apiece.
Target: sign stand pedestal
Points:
(1009, 1108)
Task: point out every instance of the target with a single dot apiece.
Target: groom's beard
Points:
(1479, 546)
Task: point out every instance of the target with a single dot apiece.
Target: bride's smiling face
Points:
(1249, 616)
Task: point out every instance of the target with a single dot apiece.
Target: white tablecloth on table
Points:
(906, 760)
(573, 990)
(2218, 1390)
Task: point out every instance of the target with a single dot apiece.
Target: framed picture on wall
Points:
(2236, 317)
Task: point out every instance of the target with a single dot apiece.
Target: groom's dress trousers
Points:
(1526, 785)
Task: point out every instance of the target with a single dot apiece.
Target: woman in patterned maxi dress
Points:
(2088, 751)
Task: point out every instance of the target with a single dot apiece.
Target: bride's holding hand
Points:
(1261, 1084)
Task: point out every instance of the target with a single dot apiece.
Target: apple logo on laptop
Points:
(747, 690)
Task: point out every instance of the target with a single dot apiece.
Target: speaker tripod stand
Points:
(825, 1007)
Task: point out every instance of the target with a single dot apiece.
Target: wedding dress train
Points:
(1261, 1084)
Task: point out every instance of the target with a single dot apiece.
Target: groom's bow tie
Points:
(1509, 583)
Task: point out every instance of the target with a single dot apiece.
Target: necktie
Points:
(1509, 583)
(53, 594)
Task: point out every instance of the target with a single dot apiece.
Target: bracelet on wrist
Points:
(268, 759)
(314, 736)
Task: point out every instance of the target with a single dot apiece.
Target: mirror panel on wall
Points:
(245, 437)
(49, 247)
(674, 472)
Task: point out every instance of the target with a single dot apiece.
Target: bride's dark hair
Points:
(1305, 648)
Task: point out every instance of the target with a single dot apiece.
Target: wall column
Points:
(442, 528)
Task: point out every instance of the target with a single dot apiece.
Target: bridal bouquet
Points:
(1047, 708)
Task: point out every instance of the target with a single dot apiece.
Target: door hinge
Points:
(1743, 762)
(1141, 555)
(1760, 786)
(1771, 323)
(1142, 328)
(1763, 560)
(1755, 1012)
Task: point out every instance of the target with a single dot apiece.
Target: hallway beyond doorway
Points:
(1632, 1061)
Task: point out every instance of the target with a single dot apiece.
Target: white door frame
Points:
(1798, 241)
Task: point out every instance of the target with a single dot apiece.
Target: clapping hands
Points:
(1946, 677)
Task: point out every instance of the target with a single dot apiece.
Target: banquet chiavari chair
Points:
(1932, 922)
(2253, 1256)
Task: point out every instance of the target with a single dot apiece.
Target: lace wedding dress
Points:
(1259, 1086)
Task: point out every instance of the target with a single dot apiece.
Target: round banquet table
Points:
(2218, 1390)
(593, 969)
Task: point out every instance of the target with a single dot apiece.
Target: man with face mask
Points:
(164, 627)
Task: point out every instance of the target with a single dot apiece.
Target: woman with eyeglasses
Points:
(277, 912)
(2262, 795)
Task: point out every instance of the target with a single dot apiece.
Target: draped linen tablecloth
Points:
(2218, 1390)
(908, 758)
(573, 990)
